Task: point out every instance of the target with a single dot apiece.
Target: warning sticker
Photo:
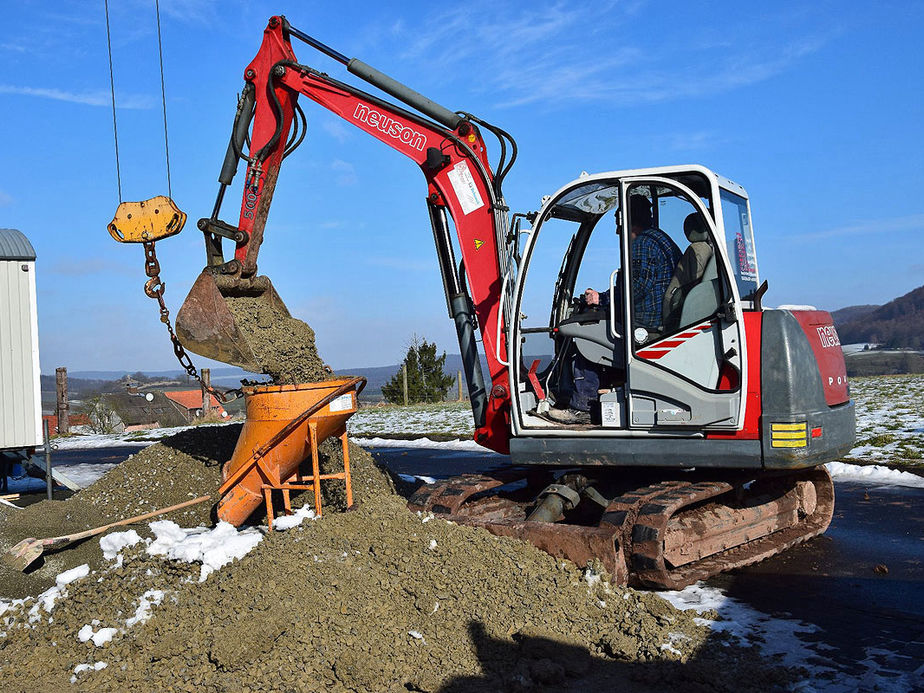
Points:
(478, 244)
(342, 403)
(464, 186)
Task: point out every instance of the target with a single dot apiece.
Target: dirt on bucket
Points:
(283, 346)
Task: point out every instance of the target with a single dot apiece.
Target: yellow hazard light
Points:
(788, 435)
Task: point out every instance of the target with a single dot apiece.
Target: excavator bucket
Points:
(216, 319)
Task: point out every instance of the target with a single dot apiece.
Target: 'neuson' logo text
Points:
(390, 127)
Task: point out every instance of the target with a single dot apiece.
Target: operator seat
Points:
(690, 272)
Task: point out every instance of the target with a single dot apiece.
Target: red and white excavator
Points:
(704, 448)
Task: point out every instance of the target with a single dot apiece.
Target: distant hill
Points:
(899, 324)
(850, 313)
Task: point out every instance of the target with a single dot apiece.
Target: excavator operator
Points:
(654, 256)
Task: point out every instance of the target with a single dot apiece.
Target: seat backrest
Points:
(688, 273)
(702, 300)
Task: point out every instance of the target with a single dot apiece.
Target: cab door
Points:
(689, 372)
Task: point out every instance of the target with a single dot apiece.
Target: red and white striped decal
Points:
(665, 346)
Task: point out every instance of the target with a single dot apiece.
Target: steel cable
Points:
(115, 130)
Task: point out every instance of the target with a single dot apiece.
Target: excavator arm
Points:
(450, 152)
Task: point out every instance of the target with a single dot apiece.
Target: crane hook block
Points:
(151, 220)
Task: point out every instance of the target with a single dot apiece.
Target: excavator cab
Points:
(660, 361)
(681, 376)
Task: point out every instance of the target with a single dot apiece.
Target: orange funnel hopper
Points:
(282, 422)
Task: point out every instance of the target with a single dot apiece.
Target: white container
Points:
(20, 385)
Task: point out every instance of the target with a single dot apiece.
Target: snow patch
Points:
(99, 637)
(423, 443)
(214, 548)
(68, 576)
(112, 544)
(779, 638)
(294, 520)
(145, 602)
(874, 473)
(80, 668)
(84, 474)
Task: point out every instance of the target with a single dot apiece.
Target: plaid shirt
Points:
(654, 257)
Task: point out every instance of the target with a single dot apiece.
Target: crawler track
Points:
(664, 536)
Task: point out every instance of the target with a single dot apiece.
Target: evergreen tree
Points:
(426, 381)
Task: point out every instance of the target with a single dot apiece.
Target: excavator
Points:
(704, 447)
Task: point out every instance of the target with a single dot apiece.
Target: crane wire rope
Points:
(163, 98)
(163, 95)
(115, 130)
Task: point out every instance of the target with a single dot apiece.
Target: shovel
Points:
(206, 325)
(26, 552)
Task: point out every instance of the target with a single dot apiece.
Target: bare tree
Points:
(102, 417)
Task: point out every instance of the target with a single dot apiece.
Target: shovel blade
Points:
(24, 554)
(207, 326)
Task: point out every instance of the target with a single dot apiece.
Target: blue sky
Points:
(816, 108)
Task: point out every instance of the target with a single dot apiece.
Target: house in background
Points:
(136, 411)
(73, 420)
(140, 411)
(191, 402)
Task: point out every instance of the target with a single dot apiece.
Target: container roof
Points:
(15, 246)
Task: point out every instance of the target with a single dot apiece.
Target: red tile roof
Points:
(192, 399)
(72, 419)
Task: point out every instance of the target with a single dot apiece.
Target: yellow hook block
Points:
(151, 220)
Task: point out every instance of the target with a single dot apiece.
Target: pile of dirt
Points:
(182, 467)
(282, 345)
(376, 598)
(372, 599)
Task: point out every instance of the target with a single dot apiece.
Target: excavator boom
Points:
(461, 186)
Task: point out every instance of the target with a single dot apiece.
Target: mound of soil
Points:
(372, 599)
(375, 599)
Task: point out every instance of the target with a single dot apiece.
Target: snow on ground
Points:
(108, 440)
(423, 443)
(213, 548)
(890, 424)
(874, 474)
(780, 639)
(45, 602)
(447, 418)
(890, 429)
(890, 419)
(83, 474)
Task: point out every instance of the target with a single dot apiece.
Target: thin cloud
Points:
(345, 173)
(335, 129)
(5, 199)
(87, 98)
(594, 53)
(912, 222)
(192, 11)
